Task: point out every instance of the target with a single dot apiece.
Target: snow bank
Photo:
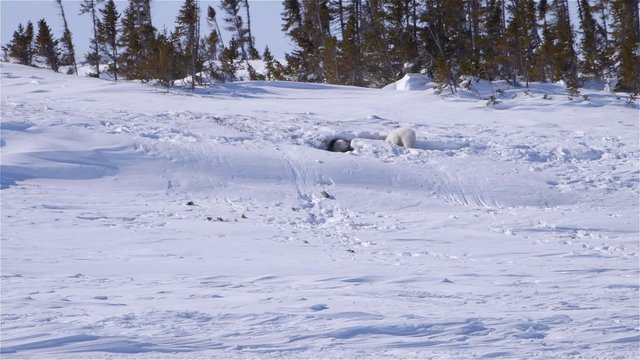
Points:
(411, 82)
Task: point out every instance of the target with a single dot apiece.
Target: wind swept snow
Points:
(141, 222)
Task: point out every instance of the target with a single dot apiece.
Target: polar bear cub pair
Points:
(402, 136)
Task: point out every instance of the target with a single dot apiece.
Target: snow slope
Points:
(140, 222)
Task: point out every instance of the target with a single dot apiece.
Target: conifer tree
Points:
(20, 46)
(230, 61)
(137, 38)
(379, 65)
(68, 52)
(316, 22)
(491, 40)
(544, 66)
(213, 41)
(625, 36)
(188, 30)
(211, 46)
(350, 51)
(297, 61)
(28, 42)
(398, 34)
(565, 60)
(107, 39)
(89, 7)
(448, 37)
(235, 24)
(47, 46)
(169, 58)
(274, 69)
(251, 49)
(592, 45)
(131, 43)
(522, 39)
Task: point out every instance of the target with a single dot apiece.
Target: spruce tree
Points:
(212, 45)
(274, 69)
(625, 36)
(351, 52)
(213, 41)
(169, 58)
(251, 49)
(230, 61)
(565, 60)
(188, 30)
(89, 7)
(522, 40)
(19, 47)
(298, 66)
(47, 46)
(107, 39)
(544, 66)
(28, 43)
(492, 41)
(235, 24)
(447, 37)
(68, 52)
(398, 34)
(138, 40)
(379, 64)
(590, 65)
(130, 42)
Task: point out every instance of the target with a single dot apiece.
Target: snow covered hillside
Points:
(140, 222)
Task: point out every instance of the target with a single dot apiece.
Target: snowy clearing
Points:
(140, 222)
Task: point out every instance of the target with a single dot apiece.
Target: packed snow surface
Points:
(141, 222)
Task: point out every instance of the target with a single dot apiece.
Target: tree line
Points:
(361, 42)
(373, 42)
(127, 45)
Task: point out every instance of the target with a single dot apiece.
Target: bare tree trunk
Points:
(95, 37)
(90, 6)
(603, 16)
(636, 19)
(251, 45)
(195, 41)
(341, 17)
(414, 15)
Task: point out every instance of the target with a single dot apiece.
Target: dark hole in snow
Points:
(191, 203)
(339, 145)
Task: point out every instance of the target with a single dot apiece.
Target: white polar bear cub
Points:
(402, 136)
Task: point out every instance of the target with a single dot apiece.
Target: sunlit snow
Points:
(144, 222)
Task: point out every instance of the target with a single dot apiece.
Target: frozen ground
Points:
(142, 223)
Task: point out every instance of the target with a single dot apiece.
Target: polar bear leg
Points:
(394, 139)
(402, 137)
(409, 139)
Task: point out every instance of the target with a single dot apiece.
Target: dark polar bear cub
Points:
(402, 136)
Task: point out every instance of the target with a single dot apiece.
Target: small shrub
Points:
(492, 101)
